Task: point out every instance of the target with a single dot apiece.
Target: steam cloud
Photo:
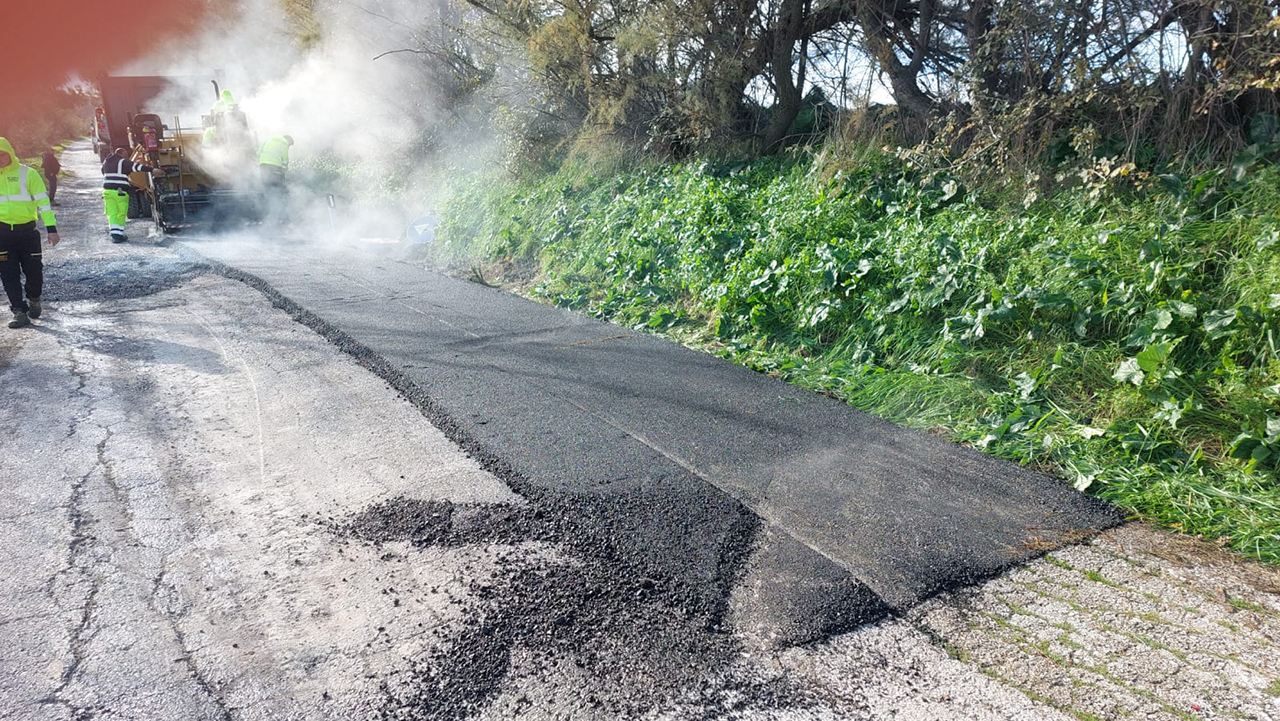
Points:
(357, 122)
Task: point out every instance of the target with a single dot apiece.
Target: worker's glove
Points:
(158, 172)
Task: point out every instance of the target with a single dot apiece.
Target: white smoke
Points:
(370, 131)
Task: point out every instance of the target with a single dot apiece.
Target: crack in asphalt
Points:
(83, 544)
(172, 618)
(80, 635)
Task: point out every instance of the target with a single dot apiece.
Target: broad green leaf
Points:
(1140, 441)
(1152, 357)
(1025, 384)
(949, 190)
(1129, 372)
(821, 311)
(1264, 128)
(1021, 419)
(1171, 412)
(1150, 249)
(1162, 318)
(1055, 301)
(1242, 447)
(1144, 333)
(1005, 311)
(1172, 183)
(1084, 473)
(1081, 325)
(1244, 162)
(1084, 480)
(1216, 321)
(661, 319)
(1183, 308)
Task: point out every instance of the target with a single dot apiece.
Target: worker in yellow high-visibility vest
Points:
(23, 201)
(224, 103)
(273, 163)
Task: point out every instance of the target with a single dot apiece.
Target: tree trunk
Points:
(983, 63)
(789, 94)
(902, 78)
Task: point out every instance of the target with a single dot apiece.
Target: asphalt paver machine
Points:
(209, 178)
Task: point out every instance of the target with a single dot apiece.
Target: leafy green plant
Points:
(1258, 444)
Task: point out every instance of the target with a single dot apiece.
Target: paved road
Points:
(212, 511)
(879, 517)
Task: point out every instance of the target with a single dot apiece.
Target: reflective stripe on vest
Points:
(118, 179)
(275, 152)
(25, 206)
(23, 196)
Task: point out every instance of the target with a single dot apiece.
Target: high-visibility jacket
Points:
(224, 103)
(210, 135)
(23, 196)
(275, 152)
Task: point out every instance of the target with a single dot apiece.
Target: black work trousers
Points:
(20, 254)
(51, 184)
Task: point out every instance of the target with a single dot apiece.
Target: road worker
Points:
(50, 166)
(23, 201)
(210, 137)
(273, 163)
(116, 189)
(224, 103)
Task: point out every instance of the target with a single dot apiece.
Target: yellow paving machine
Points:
(209, 176)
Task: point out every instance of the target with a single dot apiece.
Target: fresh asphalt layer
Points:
(659, 448)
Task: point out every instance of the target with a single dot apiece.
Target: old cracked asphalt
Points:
(212, 510)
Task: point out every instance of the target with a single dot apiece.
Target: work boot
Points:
(19, 319)
(33, 308)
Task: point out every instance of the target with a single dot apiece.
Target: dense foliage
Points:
(1124, 333)
(52, 117)
(998, 81)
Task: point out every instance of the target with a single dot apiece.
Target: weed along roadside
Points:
(1121, 333)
